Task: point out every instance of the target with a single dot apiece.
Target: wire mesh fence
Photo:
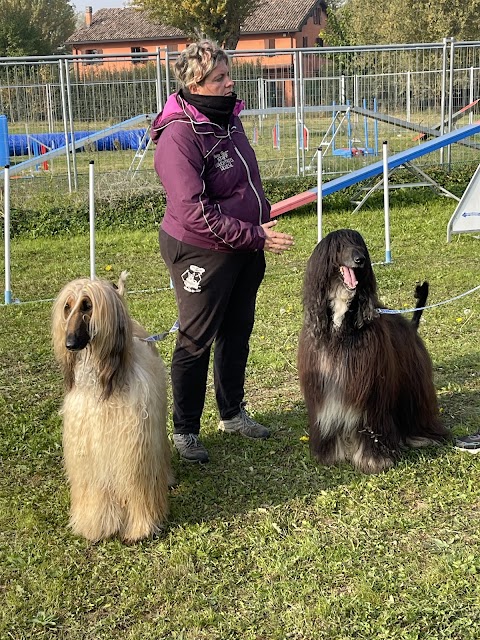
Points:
(63, 112)
(58, 114)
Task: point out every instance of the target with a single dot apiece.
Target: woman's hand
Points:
(275, 241)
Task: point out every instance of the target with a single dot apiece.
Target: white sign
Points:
(467, 214)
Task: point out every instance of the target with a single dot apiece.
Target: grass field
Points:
(262, 543)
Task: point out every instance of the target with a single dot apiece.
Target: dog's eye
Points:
(86, 305)
(66, 309)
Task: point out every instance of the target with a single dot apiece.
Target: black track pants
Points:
(216, 295)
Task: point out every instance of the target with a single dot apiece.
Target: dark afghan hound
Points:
(366, 376)
(116, 450)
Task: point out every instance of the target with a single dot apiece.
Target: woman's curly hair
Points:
(197, 61)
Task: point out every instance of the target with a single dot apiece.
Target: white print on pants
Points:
(192, 278)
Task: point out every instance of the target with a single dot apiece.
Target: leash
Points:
(430, 306)
(157, 337)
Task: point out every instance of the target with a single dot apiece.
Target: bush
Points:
(70, 215)
(48, 215)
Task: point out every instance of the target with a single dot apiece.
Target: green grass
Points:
(262, 543)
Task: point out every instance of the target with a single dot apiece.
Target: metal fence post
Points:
(159, 85)
(444, 95)
(450, 99)
(471, 94)
(301, 124)
(167, 73)
(409, 89)
(343, 93)
(296, 100)
(65, 125)
(72, 128)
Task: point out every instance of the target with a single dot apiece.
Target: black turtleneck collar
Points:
(218, 109)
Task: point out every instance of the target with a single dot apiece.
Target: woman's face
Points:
(217, 83)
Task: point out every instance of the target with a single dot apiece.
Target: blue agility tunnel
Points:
(21, 144)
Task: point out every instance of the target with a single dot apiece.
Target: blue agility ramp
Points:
(375, 169)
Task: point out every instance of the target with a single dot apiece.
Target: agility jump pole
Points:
(320, 195)
(8, 292)
(5, 163)
(386, 204)
(91, 213)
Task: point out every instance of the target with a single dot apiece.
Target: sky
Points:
(97, 4)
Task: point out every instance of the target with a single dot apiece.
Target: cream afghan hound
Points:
(115, 444)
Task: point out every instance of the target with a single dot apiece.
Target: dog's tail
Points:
(121, 283)
(421, 295)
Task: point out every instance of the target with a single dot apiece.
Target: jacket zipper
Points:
(249, 177)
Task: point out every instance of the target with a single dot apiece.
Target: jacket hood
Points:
(176, 108)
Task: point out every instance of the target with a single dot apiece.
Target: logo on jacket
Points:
(223, 161)
(192, 277)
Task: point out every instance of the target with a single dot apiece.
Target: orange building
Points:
(276, 24)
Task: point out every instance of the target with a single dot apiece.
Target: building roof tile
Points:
(279, 15)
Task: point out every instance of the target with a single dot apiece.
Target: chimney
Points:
(88, 16)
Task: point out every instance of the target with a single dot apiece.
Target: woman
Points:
(212, 238)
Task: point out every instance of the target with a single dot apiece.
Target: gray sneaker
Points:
(189, 447)
(245, 425)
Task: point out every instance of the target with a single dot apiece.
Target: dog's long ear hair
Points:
(321, 269)
(109, 328)
(65, 358)
(111, 331)
(367, 299)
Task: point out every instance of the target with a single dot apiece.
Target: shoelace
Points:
(192, 440)
(246, 418)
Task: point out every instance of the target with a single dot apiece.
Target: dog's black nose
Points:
(74, 342)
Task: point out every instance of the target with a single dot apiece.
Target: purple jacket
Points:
(215, 197)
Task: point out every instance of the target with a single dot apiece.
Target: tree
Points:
(218, 20)
(410, 21)
(336, 31)
(34, 27)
